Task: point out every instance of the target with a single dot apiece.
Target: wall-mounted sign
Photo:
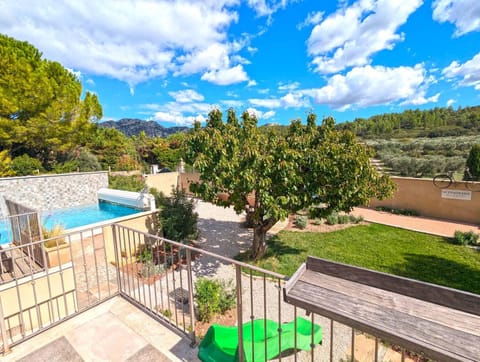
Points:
(457, 195)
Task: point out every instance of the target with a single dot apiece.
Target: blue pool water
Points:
(85, 215)
(74, 217)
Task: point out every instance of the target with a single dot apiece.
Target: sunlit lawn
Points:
(383, 248)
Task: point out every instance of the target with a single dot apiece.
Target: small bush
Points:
(405, 212)
(300, 221)
(332, 219)
(150, 269)
(356, 220)
(177, 218)
(54, 234)
(25, 165)
(343, 219)
(213, 296)
(465, 238)
(145, 255)
(127, 183)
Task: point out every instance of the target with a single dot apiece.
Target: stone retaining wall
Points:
(48, 192)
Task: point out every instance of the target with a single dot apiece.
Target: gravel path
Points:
(221, 232)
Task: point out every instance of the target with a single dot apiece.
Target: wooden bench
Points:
(442, 323)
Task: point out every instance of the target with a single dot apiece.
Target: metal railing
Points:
(159, 276)
(168, 293)
(73, 275)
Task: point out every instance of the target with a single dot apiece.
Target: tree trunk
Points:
(259, 245)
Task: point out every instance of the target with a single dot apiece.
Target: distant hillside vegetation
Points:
(132, 127)
(432, 123)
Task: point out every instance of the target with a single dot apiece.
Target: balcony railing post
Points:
(238, 272)
(6, 347)
(116, 251)
(190, 296)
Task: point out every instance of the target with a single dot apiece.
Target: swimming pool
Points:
(74, 217)
(85, 215)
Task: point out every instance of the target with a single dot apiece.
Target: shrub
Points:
(25, 165)
(405, 212)
(300, 221)
(213, 296)
(177, 218)
(128, 183)
(150, 269)
(87, 161)
(354, 219)
(332, 219)
(343, 219)
(54, 234)
(465, 238)
(145, 255)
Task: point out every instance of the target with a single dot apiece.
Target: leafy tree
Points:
(134, 183)
(6, 164)
(473, 162)
(41, 113)
(25, 165)
(270, 176)
(177, 218)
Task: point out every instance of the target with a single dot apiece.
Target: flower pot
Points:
(58, 255)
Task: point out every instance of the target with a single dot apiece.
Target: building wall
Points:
(163, 182)
(54, 301)
(130, 246)
(423, 196)
(187, 178)
(47, 192)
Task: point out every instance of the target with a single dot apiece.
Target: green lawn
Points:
(391, 250)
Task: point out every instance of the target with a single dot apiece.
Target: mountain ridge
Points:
(133, 126)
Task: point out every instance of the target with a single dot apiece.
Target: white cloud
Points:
(186, 96)
(352, 35)
(450, 102)
(260, 114)
(465, 14)
(468, 73)
(232, 103)
(291, 100)
(226, 76)
(128, 40)
(177, 118)
(267, 7)
(90, 81)
(252, 83)
(288, 86)
(371, 86)
(313, 18)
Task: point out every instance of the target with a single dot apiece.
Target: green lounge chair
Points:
(221, 343)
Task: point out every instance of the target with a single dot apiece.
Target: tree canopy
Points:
(40, 107)
(270, 175)
(473, 162)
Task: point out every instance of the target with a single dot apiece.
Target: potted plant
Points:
(57, 249)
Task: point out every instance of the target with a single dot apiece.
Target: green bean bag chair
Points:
(221, 342)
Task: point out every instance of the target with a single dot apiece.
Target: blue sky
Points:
(173, 61)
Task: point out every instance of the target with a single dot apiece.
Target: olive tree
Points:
(269, 175)
(473, 163)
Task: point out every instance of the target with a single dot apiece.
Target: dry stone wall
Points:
(49, 192)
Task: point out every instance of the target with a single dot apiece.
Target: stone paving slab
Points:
(60, 350)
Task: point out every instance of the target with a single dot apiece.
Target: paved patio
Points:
(113, 331)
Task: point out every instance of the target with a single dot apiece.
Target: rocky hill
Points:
(131, 127)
